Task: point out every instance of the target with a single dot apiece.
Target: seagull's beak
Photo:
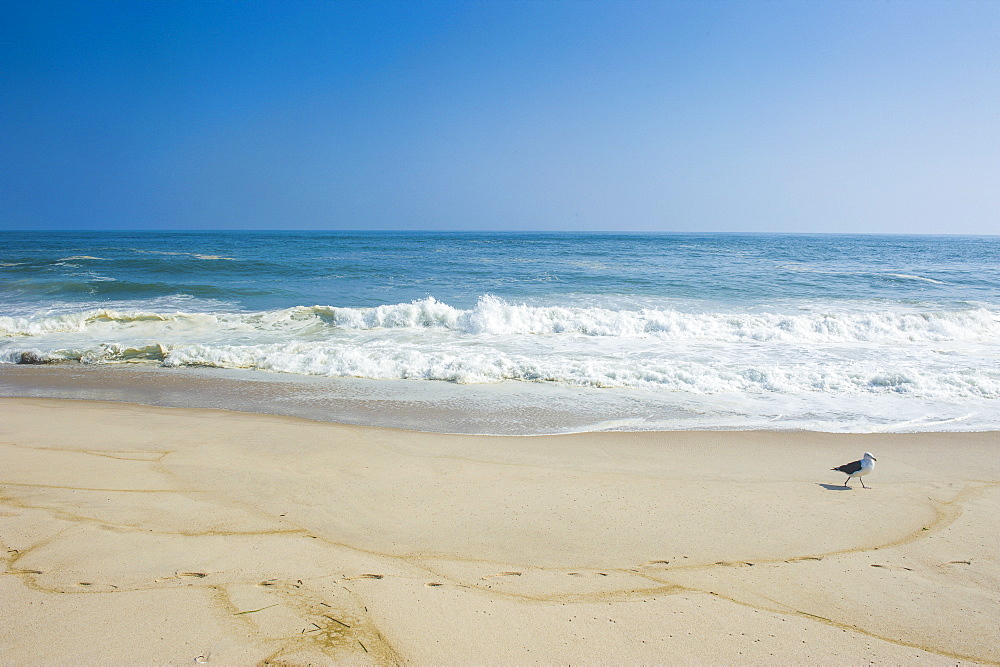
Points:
(874, 459)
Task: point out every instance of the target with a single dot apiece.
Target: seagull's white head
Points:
(868, 455)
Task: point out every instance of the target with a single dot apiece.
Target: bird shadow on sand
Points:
(837, 487)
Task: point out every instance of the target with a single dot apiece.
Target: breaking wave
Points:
(947, 355)
(494, 317)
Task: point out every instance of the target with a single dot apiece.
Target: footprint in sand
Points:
(184, 575)
(892, 567)
(97, 588)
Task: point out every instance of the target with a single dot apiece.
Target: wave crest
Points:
(495, 317)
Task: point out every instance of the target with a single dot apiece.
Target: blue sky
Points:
(807, 116)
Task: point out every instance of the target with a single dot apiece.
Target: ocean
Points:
(532, 332)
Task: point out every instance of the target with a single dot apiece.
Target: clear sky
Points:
(806, 116)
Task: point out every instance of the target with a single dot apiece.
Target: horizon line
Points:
(485, 231)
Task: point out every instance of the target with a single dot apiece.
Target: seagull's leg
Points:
(847, 482)
(863, 483)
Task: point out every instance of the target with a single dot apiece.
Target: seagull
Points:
(857, 468)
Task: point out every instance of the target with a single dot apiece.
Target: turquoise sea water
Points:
(827, 332)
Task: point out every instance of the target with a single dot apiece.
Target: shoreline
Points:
(514, 408)
(434, 407)
(167, 535)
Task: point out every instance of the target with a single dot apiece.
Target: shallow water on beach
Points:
(531, 332)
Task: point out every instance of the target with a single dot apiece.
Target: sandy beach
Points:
(142, 535)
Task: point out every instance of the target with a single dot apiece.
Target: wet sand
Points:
(515, 408)
(134, 534)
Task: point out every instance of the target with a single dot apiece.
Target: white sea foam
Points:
(495, 365)
(168, 253)
(833, 356)
(906, 276)
(495, 317)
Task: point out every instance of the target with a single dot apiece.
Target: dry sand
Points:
(143, 535)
